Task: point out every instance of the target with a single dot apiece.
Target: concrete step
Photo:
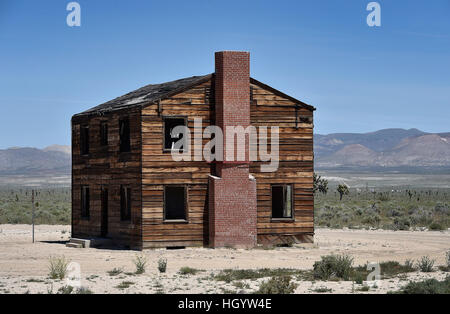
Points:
(83, 242)
(74, 245)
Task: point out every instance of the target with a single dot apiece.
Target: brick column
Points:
(232, 194)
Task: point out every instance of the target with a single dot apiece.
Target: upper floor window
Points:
(103, 133)
(282, 201)
(84, 140)
(124, 130)
(169, 124)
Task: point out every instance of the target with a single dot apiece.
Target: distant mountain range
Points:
(388, 149)
(55, 159)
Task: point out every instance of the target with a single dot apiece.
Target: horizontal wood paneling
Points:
(106, 166)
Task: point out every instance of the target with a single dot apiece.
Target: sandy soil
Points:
(24, 266)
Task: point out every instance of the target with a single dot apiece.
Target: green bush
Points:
(425, 264)
(430, 286)
(333, 266)
(229, 275)
(115, 271)
(162, 265)
(277, 285)
(58, 267)
(188, 271)
(435, 226)
(140, 261)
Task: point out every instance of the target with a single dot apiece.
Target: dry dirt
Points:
(24, 266)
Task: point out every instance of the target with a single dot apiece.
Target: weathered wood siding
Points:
(295, 167)
(147, 169)
(159, 169)
(106, 166)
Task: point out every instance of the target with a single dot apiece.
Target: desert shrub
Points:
(333, 266)
(436, 226)
(322, 290)
(425, 264)
(393, 268)
(58, 267)
(363, 288)
(442, 209)
(402, 223)
(394, 213)
(115, 271)
(65, 290)
(162, 265)
(229, 275)
(278, 285)
(430, 286)
(124, 285)
(188, 271)
(140, 261)
(84, 290)
(373, 219)
(409, 263)
(447, 258)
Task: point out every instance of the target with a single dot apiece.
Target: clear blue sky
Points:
(322, 52)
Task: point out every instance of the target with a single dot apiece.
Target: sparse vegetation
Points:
(401, 209)
(162, 265)
(430, 286)
(425, 264)
(363, 288)
(35, 280)
(140, 261)
(52, 206)
(124, 285)
(278, 285)
(322, 290)
(333, 267)
(115, 271)
(229, 275)
(241, 285)
(188, 271)
(447, 261)
(72, 290)
(58, 267)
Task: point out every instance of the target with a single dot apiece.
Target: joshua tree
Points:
(343, 190)
(320, 185)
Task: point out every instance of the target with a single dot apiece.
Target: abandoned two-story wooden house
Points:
(127, 187)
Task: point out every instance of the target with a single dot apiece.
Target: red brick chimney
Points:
(232, 193)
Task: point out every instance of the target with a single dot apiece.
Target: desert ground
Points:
(24, 265)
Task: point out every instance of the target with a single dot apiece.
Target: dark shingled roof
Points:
(154, 92)
(147, 94)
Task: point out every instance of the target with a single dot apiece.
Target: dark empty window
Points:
(104, 133)
(85, 200)
(169, 124)
(84, 140)
(282, 201)
(124, 130)
(125, 203)
(175, 203)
